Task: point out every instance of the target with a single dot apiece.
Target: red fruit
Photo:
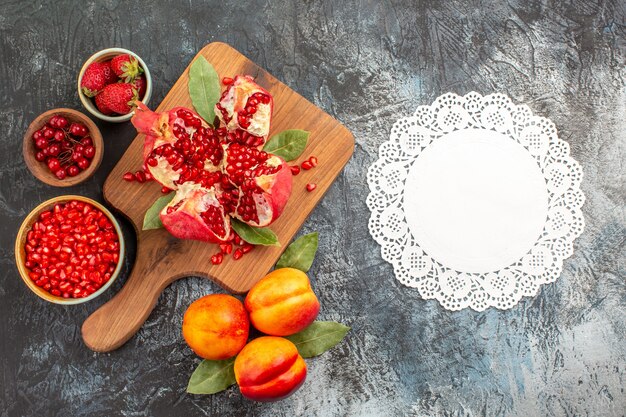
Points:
(165, 190)
(245, 106)
(214, 179)
(263, 181)
(78, 130)
(40, 156)
(126, 67)
(227, 81)
(54, 149)
(179, 146)
(94, 79)
(71, 249)
(86, 141)
(41, 143)
(89, 151)
(226, 248)
(59, 135)
(195, 213)
(110, 77)
(306, 165)
(83, 163)
(129, 176)
(140, 85)
(140, 176)
(61, 173)
(311, 186)
(47, 132)
(73, 170)
(217, 258)
(313, 161)
(237, 254)
(295, 170)
(119, 97)
(58, 122)
(101, 106)
(54, 165)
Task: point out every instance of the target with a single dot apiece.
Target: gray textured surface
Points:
(562, 353)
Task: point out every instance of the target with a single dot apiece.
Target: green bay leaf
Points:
(151, 220)
(212, 376)
(204, 88)
(300, 253)
(318, 337)
(255, 235)
(288, 144)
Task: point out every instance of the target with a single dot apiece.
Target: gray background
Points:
(561, 353)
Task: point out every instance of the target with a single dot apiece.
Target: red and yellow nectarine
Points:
(216, 326)
(269, 369)
(282, 303)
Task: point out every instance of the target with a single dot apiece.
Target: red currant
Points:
(54, 164)
(73, 170)
(89, 151)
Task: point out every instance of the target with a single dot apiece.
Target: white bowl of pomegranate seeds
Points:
(62, 147)
(111, 79)
(69, 250)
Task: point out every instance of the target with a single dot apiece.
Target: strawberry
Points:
(110, 77)
(118, 97)
(140, 85)
(126, 67)
(94, 79)
(101, 105)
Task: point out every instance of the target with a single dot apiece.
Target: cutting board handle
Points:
(120, 318)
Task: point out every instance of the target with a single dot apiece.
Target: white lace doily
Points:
(475, 201)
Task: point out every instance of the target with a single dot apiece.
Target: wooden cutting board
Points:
(161, 258)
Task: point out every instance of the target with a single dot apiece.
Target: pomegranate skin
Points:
(231, 109)
(182, 217)
(277, 195)
(158, 130)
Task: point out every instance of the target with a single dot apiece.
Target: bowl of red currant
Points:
(62, 147)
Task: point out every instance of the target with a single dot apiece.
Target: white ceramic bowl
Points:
(105, 55)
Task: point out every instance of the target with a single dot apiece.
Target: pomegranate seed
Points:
(227, 81)
(140, 176)
(313, 161)
(63, 269)
(237, 254)
(247, 247)
(295, 170)
(306, 165)
(226, 248)
(165, 190)
(217, 258)
(311, 186)
(129, 176)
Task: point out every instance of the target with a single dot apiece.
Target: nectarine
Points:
(282, 303)
(216, 326)
(269, 369)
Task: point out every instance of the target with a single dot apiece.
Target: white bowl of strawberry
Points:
(110, 81)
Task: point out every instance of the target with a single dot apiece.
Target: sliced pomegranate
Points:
(216, 173)
(179, 146)
(245, 109)
(196, 213)
(261, 181)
